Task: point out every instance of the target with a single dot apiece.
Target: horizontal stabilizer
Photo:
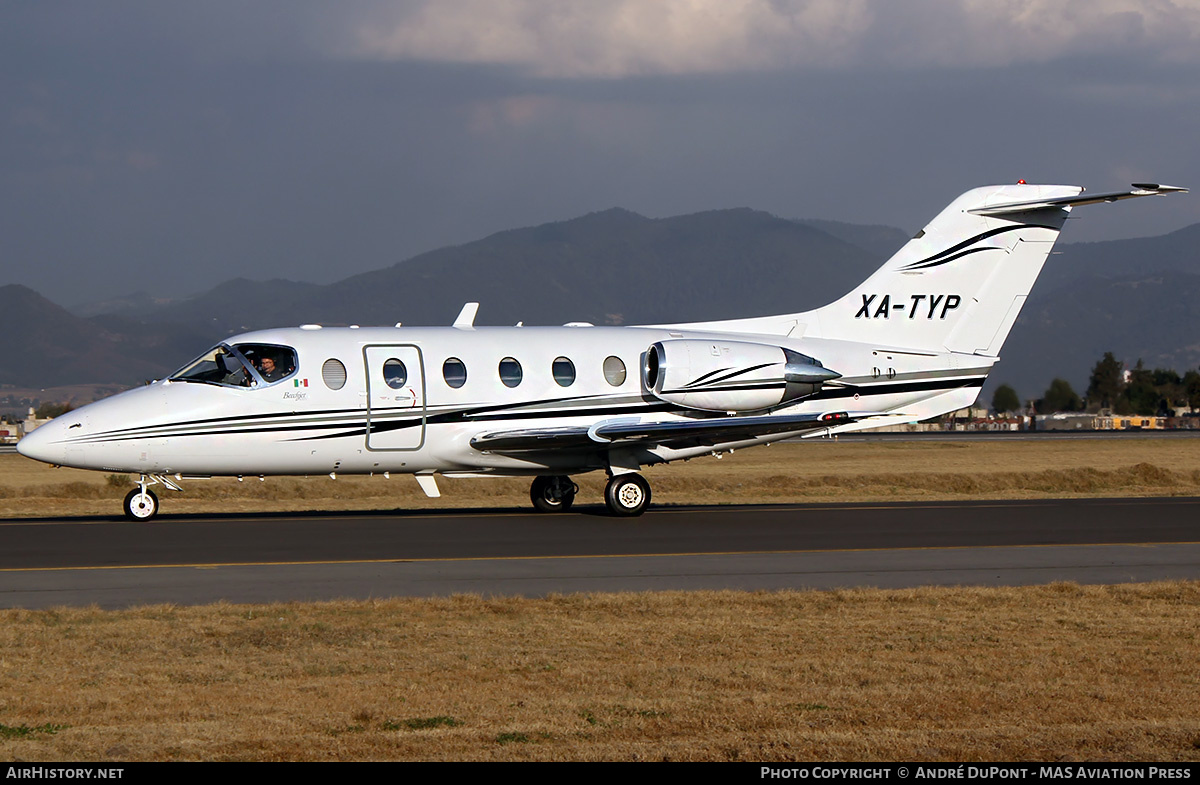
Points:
(675, 434)
(1139, 189)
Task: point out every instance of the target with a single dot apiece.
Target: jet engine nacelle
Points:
(730, 376)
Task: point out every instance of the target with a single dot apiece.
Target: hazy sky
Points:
(168, 146)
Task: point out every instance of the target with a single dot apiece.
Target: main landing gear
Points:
(553, 494)
(626, 495)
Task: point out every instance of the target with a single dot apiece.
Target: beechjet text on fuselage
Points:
(915, 340)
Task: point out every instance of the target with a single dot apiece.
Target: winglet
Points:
(466, 317)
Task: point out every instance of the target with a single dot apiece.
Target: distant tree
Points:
(50, 410)
(1171, 390)
(1163, 377)
(1107, 381)
(1060, 397)
(1191, 386)
(1143, 397)
(1005, 399)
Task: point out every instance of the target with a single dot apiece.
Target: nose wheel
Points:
(141, 504)
(627, 495)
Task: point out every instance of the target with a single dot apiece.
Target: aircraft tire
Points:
(627, 495)
(545, 499)
(141, 506)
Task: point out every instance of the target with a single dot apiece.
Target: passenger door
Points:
(395, 397)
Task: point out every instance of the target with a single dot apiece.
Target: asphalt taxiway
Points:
(187, 559)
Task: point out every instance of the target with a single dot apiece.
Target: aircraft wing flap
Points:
(676, 434)
(533, 440)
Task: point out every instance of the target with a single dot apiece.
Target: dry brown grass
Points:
(1045, 673)
(815, 471)
(1058, 672)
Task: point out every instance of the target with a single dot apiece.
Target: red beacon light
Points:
(1022, 182)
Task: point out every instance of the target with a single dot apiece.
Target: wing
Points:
(675, 434)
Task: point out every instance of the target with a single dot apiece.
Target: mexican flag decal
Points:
(300, 382)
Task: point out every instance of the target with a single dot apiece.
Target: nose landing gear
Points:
(141, 504)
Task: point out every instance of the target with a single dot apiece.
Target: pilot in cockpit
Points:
(269, 371)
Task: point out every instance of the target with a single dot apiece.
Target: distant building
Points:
(911, 427)
(979, 418)
(32, 421)
(1105, 421)
(975, 418)
(1073, 421)
(971, 413)
(1136, 422)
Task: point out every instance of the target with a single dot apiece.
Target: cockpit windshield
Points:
(243, 365)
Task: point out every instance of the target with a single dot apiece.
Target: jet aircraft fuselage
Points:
(409, 400)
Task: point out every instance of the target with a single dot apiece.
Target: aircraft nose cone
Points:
(42, 444)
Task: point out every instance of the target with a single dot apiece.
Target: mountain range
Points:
(1136, 298)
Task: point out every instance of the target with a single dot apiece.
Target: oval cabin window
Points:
(333, 373)
(614, 371)
(454, 372)
(564, 372)
(510, 372)
(394, 373)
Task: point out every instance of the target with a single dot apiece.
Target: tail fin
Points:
(960, 283)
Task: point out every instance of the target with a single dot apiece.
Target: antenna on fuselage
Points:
(466, 317)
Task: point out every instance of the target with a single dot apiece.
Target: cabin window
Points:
(334, 374)
(454, 372)
(564, 372)
(394, 373)
(614, 371)
(510, 372)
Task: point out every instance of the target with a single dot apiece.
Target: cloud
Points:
(513, 111)
(1011, 32)
(594, 38)
(620, 38)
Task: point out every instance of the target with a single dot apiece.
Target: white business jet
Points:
(913, 341)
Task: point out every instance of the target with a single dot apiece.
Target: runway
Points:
(319, 556)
